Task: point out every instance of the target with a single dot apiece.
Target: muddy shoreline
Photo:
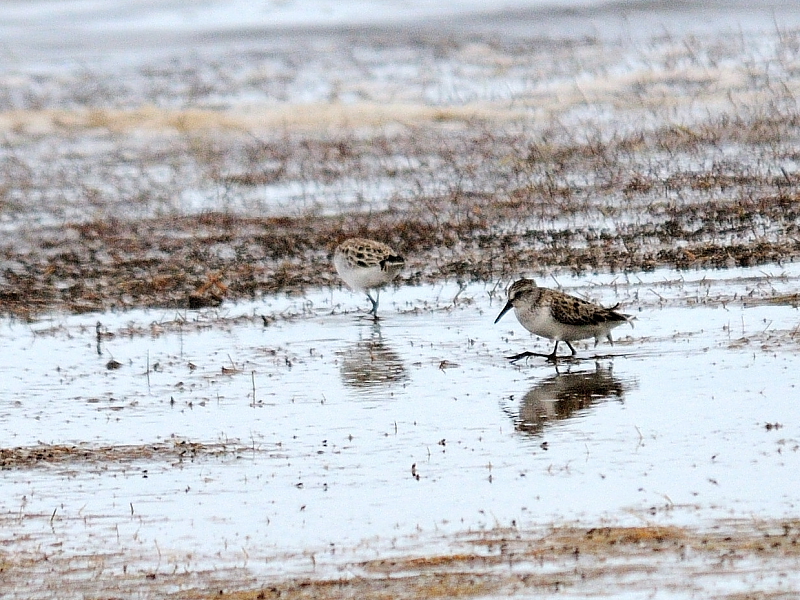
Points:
(230, 172)
(568, 558)
(546, 215)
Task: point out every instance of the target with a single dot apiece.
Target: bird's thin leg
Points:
(571, 348)
(610, 339)
(374, 301)
(552, 356)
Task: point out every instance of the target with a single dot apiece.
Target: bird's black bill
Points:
(507, 308)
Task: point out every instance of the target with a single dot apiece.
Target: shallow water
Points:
(361, 438)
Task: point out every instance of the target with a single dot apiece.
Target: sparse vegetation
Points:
(592, 562)
(485, 202)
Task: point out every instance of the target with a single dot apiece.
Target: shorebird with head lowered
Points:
(559, 316)
(366, 265)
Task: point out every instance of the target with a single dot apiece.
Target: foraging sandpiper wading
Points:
(366, 265)
(559, 316)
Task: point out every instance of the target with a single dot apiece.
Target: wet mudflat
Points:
(221, 451)
(192, 404)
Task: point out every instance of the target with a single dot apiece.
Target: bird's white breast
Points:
(539, 321)
(359, 278)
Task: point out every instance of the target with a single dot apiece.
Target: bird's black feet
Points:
(527, 354)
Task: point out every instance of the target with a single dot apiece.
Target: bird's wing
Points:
(574, 311)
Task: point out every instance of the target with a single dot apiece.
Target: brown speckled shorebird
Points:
(559, 316)
(366, 265)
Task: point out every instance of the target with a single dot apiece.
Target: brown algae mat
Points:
(533, 209)
(569, 559)
(73, 455)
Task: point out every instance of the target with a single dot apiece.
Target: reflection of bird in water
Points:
(559, 316)
(566, 395)
(367, 265)
(370, 363)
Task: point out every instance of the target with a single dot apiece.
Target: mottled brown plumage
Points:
(367, 265)
(559, 316)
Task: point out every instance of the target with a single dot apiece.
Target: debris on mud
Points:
(202, 260)
(590, 562)
(176, 450)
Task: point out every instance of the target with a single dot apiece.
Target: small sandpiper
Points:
(366, 265)
(559, 316)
